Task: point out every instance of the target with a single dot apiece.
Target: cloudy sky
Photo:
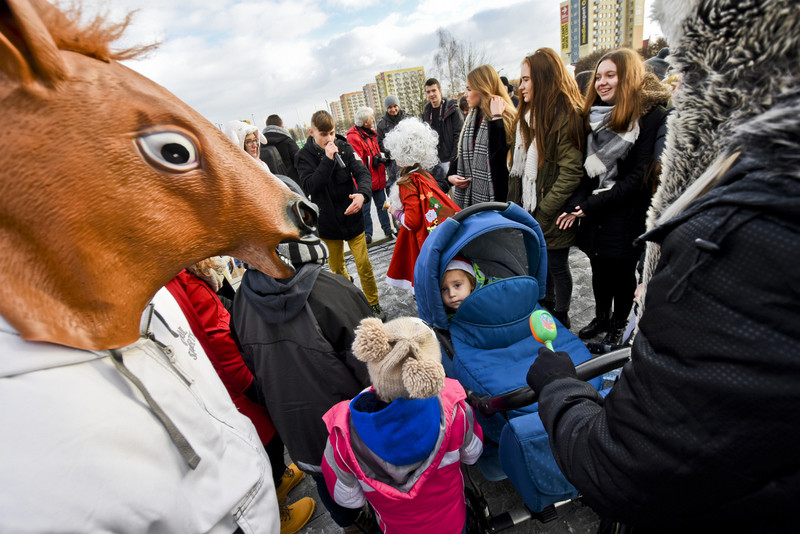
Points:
(246, 59)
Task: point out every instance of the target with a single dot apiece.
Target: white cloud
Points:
(247, 59)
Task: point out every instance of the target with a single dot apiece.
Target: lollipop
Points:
(543, 328)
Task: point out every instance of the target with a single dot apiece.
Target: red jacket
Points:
(424, 206)
(365, 142)
(210, 323)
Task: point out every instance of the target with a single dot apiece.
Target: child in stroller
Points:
(491, 341)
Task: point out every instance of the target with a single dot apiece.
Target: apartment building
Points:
(591, 25)
(407, 85)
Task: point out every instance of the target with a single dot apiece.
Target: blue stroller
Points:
(490, 347)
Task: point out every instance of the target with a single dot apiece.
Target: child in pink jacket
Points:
(399, 444)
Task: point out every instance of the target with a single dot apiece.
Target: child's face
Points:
(322, 138)
(456, 286)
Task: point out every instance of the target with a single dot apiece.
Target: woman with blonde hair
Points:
(548, 163)
(480, 171)
(625, 109)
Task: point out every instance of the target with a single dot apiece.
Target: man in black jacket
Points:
(278, 137)
(295, 336)
(340, 187)
(700, 433)
(445, 119)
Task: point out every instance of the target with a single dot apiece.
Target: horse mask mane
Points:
(111, 185)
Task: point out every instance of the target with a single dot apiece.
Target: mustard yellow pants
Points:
(358, 247)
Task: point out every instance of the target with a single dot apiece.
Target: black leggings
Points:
(559, 279)
(613, 281)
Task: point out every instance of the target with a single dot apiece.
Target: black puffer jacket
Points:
(330, 186)
(701, 431)
(295, 337)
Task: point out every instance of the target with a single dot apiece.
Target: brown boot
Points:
(295, 516)
(291, 478)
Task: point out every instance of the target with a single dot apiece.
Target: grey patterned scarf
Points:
(473, 162)
(605, 147)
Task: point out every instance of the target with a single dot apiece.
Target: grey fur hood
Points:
(740, 94)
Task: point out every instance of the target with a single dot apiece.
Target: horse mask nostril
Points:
(305, 215)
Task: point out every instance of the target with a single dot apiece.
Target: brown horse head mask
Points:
(110, 185)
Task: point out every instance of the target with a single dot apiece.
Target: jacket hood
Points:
(278, 301)
(739, 93)
(276, 131)
(449, 105)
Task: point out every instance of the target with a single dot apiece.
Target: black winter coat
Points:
(616, 217)
(329, 187)
(287, 147)
(701, 431)
(295, 336)
(452, 120)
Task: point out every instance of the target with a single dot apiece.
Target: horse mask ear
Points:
(27, 51)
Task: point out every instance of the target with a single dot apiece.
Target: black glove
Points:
(549, 366)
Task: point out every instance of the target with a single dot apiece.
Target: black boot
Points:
(598, 325)
(615, 331)
(563, 317)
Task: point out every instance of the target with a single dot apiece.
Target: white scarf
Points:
(526, 165)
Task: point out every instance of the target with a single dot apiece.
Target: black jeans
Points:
(613, 282)
(559, 279)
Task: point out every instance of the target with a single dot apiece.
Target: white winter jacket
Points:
(81, 450)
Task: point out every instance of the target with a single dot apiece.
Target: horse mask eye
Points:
(171, 151)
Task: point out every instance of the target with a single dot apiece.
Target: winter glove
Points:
(549, 366)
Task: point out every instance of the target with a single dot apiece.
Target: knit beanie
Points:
(390, 101)
(403, 358)
(298, 254)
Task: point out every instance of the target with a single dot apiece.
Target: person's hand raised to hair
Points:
(497, 105)
(547, 367)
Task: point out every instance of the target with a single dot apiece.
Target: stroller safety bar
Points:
(487, 405)
(477, 208)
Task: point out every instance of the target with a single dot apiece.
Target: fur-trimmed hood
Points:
(740, 93)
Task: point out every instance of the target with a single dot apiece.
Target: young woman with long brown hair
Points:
(548, 162)
(625, 108)
(480, 171)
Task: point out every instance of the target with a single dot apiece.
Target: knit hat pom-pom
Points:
(371, 342)
(422, 378)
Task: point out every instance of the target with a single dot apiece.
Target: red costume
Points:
(424, 207)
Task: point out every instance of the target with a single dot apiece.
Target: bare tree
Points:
(446, 60)
(454, 59)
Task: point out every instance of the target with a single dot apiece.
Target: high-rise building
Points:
(350, 103)
(373, 99)
(407, 85)
(591, 25)
(336, 111)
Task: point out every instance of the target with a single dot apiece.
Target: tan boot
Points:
(295, 516)
(291, 478)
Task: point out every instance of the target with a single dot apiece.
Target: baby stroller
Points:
(488, 346)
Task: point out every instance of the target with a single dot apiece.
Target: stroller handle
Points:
(487, 405)
(477, 208)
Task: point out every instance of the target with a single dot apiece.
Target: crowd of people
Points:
(584, 159)
(698, 434)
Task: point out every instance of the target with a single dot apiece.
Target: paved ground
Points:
(574, 517)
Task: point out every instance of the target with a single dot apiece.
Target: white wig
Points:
(362, 114)
(238, 130)
(412, 142)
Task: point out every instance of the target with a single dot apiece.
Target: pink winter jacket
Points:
(434, 502)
